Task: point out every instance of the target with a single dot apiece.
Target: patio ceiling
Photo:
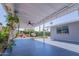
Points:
(39, 13)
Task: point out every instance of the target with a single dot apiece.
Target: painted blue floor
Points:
(30, 47)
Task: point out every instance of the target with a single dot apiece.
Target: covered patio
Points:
(32, 15)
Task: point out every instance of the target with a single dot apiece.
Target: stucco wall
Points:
(72, 36)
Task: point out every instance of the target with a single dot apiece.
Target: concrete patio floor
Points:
(29, 47)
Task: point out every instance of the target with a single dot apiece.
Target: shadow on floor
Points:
(72, 42)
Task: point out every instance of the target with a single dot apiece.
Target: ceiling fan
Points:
(30, 23)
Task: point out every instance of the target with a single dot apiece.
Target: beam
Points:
(63, 11)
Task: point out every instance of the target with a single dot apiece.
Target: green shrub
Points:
(3, 36)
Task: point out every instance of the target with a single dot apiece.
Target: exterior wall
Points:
(72, 36)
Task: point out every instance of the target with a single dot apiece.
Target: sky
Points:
(2, 15)
(63, 19)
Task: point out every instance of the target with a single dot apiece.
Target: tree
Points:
(12, 21)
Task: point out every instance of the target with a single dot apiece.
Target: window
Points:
(63, 29)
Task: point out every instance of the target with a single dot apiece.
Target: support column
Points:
(78, 11)
(39, 28)
(18, 27)
(43, 32)
(34, 33)
(29, 31)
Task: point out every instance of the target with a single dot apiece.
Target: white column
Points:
(29, 31)
(34, 33)
(39, 28)
(43, 32)
(18, 27)
(78, 11)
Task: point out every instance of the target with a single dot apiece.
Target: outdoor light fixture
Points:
(51, 22)
(15, 11)
(30, 23)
